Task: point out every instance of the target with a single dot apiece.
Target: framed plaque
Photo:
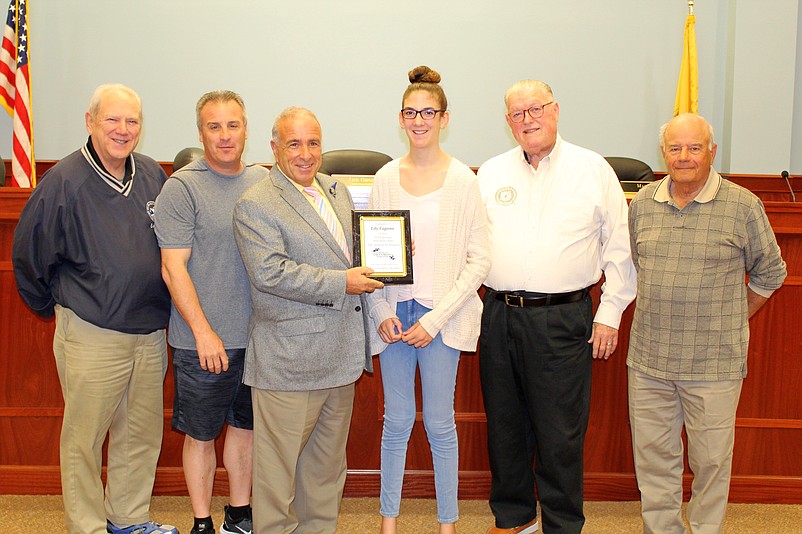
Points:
(383, 242)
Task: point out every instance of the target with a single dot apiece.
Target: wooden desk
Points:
(768, 447)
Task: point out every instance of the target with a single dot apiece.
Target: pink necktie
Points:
(331, 221)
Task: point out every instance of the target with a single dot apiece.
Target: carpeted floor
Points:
(43, 514)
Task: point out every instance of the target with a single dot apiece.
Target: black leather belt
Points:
(524, 299)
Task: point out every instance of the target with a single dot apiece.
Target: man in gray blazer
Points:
(307, 343)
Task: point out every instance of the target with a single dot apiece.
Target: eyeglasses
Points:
(693, 150)
(535, 112)
(427, 113)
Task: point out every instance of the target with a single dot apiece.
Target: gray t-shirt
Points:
(194, 210)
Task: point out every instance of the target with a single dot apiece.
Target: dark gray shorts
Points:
(204, 401)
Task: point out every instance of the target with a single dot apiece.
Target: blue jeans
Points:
(438, 371)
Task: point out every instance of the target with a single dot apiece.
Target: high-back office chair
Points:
(349, 161)
(3, 172)
(186, 156)
(630, 169)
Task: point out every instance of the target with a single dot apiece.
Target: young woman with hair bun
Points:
(427, 324)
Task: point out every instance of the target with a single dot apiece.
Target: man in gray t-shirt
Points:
(210, 309)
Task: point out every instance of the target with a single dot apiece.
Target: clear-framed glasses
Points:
(693, 150)
(535, 112)
(427, 113)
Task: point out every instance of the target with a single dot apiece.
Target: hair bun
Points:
(423, 74)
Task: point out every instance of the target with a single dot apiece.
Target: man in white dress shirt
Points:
(558, 220)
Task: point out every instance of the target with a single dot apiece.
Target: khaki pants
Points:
(299, 462)
(112, 383)
(658, 409)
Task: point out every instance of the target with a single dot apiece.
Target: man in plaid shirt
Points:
(694, 237)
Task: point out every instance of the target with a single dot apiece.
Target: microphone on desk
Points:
(791, 189)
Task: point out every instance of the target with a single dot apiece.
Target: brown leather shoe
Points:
(528, 528)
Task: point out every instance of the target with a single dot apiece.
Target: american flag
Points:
(15, 92)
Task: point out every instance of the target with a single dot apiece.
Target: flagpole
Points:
(687, 100)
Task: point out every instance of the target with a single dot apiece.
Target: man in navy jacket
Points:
(84, 250)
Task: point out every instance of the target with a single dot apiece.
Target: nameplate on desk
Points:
(359, 185)
(631, 188)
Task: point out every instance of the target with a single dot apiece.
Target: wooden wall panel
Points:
(30, 438)
(608, 428)
(33, 369)
(775, 361)
(768, 452)
(770, 187)
(366, 426)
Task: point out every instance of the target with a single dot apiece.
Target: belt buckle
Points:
(516, 302)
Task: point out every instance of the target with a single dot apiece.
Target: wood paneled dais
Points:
(767, 465)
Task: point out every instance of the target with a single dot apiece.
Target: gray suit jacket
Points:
(306, 333)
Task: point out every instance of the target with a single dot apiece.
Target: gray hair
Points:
(107, 88)
(527, 86)
(221, 96)
(687, 117)
(288, 114)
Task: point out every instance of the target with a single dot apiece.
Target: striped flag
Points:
(688, 86)
(15, 92)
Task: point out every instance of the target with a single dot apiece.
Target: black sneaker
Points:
(243, 526)
(203, 529)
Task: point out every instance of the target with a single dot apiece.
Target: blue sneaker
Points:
(143, 528)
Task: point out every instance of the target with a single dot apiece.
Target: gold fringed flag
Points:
(15, 93)
(688, 85)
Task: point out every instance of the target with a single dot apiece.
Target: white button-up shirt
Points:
(557, 228)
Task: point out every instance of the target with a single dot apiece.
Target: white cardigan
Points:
(462, 262)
